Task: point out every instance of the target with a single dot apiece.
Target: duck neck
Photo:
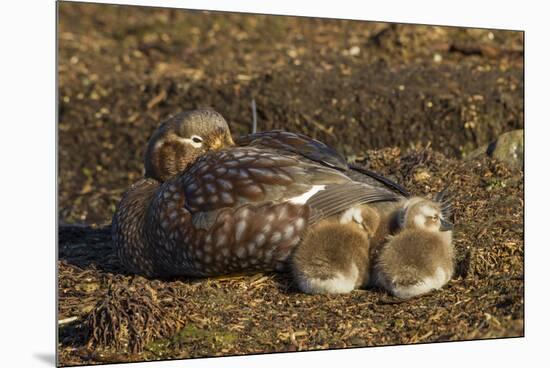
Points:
(128, 227)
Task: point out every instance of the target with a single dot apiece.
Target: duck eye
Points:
(196, 139)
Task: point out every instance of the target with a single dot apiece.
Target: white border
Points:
(27, 181)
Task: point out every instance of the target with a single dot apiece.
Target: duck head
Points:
(425, 214)
(180, 140)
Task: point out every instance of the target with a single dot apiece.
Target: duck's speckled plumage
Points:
(231, 209)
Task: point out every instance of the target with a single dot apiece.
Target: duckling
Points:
(207, 207)
(333, 257)
(420, 257)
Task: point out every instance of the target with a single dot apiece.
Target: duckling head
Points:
(425, 214)
(180, 140)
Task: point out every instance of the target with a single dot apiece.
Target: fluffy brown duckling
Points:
(333, 257)
(420, 257)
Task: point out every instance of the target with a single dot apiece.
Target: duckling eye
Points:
(196, 139)
(435, 217)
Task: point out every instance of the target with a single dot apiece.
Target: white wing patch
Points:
(303, 198)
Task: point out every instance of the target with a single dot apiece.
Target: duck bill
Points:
(445, 225)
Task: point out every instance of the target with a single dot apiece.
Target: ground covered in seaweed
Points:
(125, 317)
(409, 101)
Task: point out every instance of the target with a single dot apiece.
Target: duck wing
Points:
(295, 143)
(316, 151)
(241, 175)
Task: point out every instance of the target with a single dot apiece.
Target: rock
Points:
(508, 147)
